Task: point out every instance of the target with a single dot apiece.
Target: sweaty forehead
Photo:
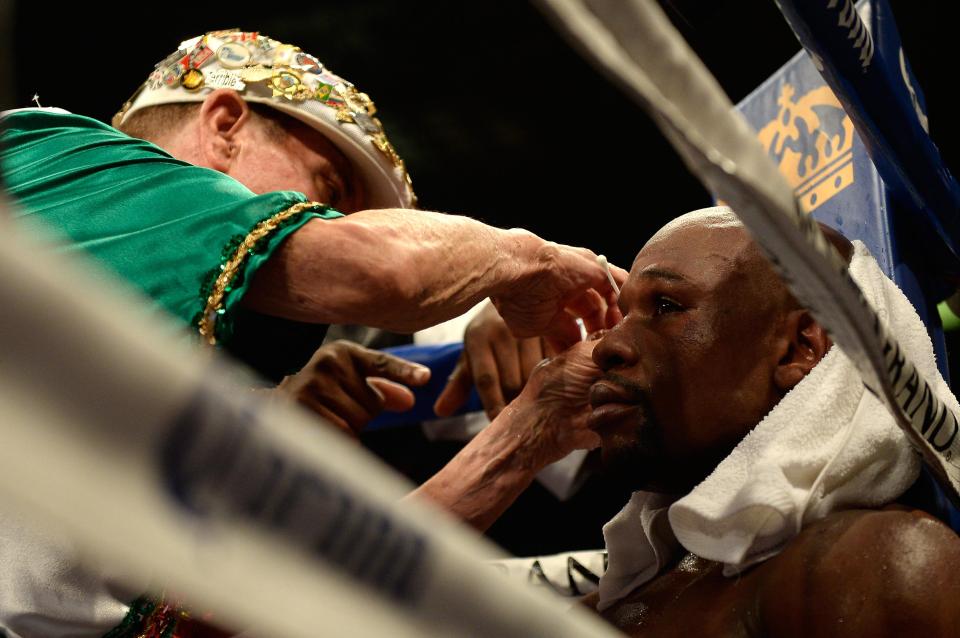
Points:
(710, 255)
(707, 218)
(705, 252)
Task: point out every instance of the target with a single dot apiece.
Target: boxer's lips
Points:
(612, 403)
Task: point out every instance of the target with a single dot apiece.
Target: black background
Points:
(495, 116)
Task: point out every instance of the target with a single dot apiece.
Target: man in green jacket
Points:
(265, 115)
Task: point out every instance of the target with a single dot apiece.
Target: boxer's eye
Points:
(663, 305)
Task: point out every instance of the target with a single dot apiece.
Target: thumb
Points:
(395, 397)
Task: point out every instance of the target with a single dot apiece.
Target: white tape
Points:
(635, 44)
(149, 457)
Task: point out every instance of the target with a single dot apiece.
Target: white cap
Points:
(282, 76)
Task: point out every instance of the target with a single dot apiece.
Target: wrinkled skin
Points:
(545, 423)
(499, 364)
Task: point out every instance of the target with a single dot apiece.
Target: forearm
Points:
(488, 475)
(401, 270)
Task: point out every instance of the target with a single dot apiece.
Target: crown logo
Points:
(811, 140)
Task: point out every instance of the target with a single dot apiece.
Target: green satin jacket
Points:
(190, 238)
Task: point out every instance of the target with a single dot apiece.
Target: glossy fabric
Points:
(159, 223)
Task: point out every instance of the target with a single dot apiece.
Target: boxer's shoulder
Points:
(892, 571)
(857, 573)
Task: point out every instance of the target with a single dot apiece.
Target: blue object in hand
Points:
(441, 359)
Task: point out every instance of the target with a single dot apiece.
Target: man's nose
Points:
(615, 350)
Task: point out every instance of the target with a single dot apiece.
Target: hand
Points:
(556, 402)
(348, 384)
(493, 359)
(544, 424)
(559, 284)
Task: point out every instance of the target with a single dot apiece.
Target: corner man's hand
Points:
(494, 360)
(554, 406)
(542, 425)
(348, 384)
(557, 284)
(499, 363)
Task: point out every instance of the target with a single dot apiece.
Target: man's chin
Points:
(638, 463)
(625, 461)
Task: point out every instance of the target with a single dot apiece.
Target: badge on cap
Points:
(307, 62)
(234, 55)
(288, 85)
(263, 55)
(155, 80)
(198, 57)
(283, 55)
(169, 60)
(327, 77)
(255, 74)
(322, 92)
(192, 80)
(225, 79)
(370, 125)
(356, 100)
(171, 75)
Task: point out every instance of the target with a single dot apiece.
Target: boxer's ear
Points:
(803, 342)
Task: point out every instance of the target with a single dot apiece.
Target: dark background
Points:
(495, 116)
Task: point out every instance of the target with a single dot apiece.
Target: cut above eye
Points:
(665, 305)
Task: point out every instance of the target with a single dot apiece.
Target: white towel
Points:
(828, 445)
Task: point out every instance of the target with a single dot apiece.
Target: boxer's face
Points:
(689, 370)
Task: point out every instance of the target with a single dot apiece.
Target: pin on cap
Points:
(192, 80)
(234, 55)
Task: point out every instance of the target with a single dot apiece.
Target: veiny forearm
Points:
(488, 475)
(401, 270)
